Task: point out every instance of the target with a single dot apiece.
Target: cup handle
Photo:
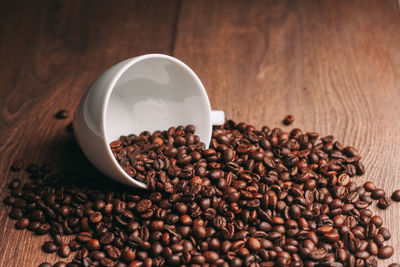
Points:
(217, 117)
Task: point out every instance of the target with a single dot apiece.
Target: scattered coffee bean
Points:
(45, 264)
(60, 264)
(385, 233)
(49, 247)
(385, 252)
(64, 250)
(17, 165)
(378, 193)
(15, 183)
(383, 203)
(289, 119)
(369, 186)
(396, 195)
(22, 223)
(62, 114)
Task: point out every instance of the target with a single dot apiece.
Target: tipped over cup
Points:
(145, 93)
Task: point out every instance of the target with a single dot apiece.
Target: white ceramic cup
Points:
(150, 92)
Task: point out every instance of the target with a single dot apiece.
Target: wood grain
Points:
(50, 53)
(335, 65)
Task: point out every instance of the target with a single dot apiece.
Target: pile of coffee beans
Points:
(254, 198)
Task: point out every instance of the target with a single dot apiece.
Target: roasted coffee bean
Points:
(49, 247)
(17, 165)
(62, 114)
(106, 262)
(60, 264)
(15, 183)
(106, 238)
(128, 255)
(254, 244)
(43, 229)
(84, 237)
(113, 253)
(16, 213)
(22, 223)
(385, 233)
(385, 252)
(93, 244)
(64, 250)
(96, 217)
(45, 264)
(383, 203)
(396, 195)
(378, 193)
(143, 205)
(289, 119)
(74, 245)
(376, 220)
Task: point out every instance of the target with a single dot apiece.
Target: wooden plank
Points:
(50, 53)
(335, 65)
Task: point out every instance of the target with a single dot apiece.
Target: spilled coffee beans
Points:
(253, 198)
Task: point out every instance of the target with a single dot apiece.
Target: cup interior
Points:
(155, 92)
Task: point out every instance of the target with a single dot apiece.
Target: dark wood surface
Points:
(335, 65)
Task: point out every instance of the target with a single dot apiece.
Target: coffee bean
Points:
(228, 155)
(84, 237)
(376, 220)
(383, 203)
(15, 183)
(289, 119)
(33, 225)
(385, 252)
(199, 232)
(106, 238)
(254, 244)
(64, 250)
(385, 233)
(45, 264)
(373, 248)
(106, 262)
(113, 253)
(93, 244)
(22, 223)
(369, 186)
(128, 255)
(96, 217)
(396, 195)
(43, 229)
(62, 114)
(17, 165)
(143, 205)
(60, 264)
(211, 256)
(49, 247)
(378, 193)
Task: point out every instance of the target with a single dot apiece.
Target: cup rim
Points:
(128, 64)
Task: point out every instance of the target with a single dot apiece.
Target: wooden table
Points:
(335, 65)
